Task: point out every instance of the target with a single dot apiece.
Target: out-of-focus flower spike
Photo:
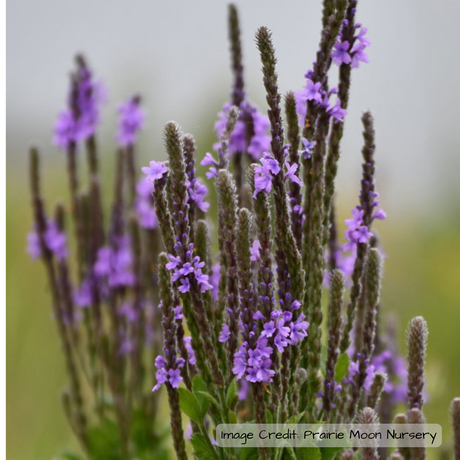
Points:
(378, 384)
(334, 328)
(455, 417)
(415, 416)
(417, 335)
(170, 357)
(368, 416)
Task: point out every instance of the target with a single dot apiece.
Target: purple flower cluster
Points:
(357, 232)
(80, 120)
(114, 264)
(164, 375)
(270, 167)
(280, 330)
(131, 121)
(342, 54)
(313, 92)
(182, 272)
(196, 192)
(250, 118)
(395, 366)
(353, 370)
(154, 171)
(144, 205)
(55, 241)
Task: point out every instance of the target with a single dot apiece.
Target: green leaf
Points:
(296, 418)
(231, 393)
(328, 453)
(198, 385)
(341, 368)
(189, 405)
(268, 416)
(308, 453)
(201, 448)
(211, 398)
(248, 453)
(232, 416)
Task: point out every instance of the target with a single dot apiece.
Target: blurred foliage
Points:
(422, 277)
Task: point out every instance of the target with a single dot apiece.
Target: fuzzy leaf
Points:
(198, 385)
(201, 448)
(308, 453)
(189, 405)
(211, 399)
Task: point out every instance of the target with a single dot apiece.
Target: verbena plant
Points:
(254, 312)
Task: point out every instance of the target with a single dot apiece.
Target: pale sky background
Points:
(175, 53)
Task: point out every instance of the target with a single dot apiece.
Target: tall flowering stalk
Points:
(105, 292)
(278, 252)
(254, 311)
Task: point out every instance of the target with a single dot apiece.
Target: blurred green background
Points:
(175, 54)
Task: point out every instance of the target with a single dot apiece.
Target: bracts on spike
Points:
(183, 246)
(228, 208)
(334, 327)
(75, 400)
(170, 355)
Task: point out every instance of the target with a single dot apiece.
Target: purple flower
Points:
(190, 351)
(33, 245)
(263, 177)
(255, 251)
(259, 141)
(280, 343)
(128, 311)
(357, 219)
(290, 173)
(174, 377)
(340, 53)
(154, 171)
(178, 313)
(263, 348)
(208, 160)
(175, 262)
(361, 37)
(336, 111)
(264, 373)
(82, 296)
(131, 121)
(89, 96)
(185, 285)
(308, 146)
(115, 264)
(162, 376)
(224, 333)
(269, 329)
(298, 329)
(144, 205)
(66, 130)
(379, 214)
(186, 269)
(358, 55)
(239, 363)
(313, 91)
(203, 281)
(258, 315)
(244, 390)
(362, 235)
(197, 193)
